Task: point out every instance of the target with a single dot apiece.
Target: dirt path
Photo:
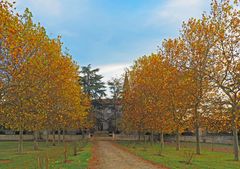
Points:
(112, 157)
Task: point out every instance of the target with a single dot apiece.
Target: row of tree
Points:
(193, 82)
(39, 84)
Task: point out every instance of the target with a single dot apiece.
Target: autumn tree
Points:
(39, 85)
(178, 99)
(189, 77)
(224, 71)
(198, 38)
(144, 103)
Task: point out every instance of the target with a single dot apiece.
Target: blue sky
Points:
(111, 34)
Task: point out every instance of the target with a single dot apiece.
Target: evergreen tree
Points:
(116, 88)
(92, 82)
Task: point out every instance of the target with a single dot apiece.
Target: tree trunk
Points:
(139, 135)
(145, 142)
(235, 136)
(79, 138)
(235, 143)
(63, 138)
(53, 139)
(115, 114)
(212, 141)
(35, 146)
(162, 140)
(20, 143)
(65, 152)
(113, 136)
(161, 144)
(75, 148)
(89, 134)
(59, 136)
(152, 137)
(177, 140)
(47, 139)
(83, 134)
(198, 149)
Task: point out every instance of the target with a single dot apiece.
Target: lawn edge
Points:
(94, 161)
(158, 165)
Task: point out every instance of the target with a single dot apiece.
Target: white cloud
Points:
(46, 7)
(112, 70)
(60, 9)
(177, 11)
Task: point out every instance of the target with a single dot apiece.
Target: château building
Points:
(107, 115)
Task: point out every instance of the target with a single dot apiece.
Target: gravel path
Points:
(112, 157)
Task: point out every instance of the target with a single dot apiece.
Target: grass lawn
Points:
(220, 158)
(10, 159)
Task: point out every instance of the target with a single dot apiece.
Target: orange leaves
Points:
(180, 86)
(144, 100)
(39, 85)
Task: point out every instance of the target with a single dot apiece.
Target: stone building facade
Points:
(107, 115)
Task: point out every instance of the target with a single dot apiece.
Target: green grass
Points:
(10, 159)
(221, 158)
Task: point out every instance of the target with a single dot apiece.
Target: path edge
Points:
(94, 161)
(158, 165)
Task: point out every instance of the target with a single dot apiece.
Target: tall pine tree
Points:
(92, 82)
